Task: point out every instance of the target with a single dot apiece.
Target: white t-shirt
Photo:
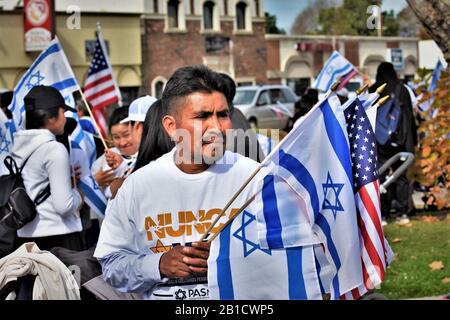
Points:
(122, 171)
(159, 206)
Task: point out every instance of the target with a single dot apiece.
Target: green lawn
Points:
(415, 247)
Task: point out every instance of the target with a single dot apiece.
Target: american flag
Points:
(375, 251)
(100, 88)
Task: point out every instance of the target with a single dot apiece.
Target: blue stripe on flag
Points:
(333, 56)
(337, 72)
(318, 268)
(50, 50)
(297, 290)
(337, 139)
(79, 137)
(92, 197)
(224, 279)
(74, 144)
(296, 168)
(70, 82)
(271, 215)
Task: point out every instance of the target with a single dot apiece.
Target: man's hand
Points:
(113, 159)
(181, 262)
(196, 257)
(104, 178)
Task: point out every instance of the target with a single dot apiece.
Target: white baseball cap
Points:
(138, 109)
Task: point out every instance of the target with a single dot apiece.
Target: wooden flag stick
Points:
(245, 205)
(229, 203)
(202, 238)
(93, 119)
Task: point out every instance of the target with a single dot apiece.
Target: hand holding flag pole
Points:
(333, 88)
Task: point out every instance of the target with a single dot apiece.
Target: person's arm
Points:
(65, 199)
(124, 265)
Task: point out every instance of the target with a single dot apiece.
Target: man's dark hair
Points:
(230, 86)
(187, 80)
(118, 115)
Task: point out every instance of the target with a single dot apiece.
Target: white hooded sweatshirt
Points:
(48, 163)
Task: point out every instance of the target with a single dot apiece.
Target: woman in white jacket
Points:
(57, 223)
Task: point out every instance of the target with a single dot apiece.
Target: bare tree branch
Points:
(435, 18)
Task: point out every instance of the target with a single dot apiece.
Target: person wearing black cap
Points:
(57, 222)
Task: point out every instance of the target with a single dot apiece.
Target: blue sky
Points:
(287, 10)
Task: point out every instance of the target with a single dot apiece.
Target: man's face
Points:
(123, 140)
(202, 123)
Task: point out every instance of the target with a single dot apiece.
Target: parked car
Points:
(260, 103)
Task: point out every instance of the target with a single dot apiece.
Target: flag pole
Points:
(93, 119)
(245, 205)
(207, 232)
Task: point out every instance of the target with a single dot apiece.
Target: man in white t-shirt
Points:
(149, 239)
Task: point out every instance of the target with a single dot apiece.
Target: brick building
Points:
(226, 35)
(297, 60)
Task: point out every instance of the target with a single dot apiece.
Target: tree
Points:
(432, 165)
(435, 17)
(390, 24)
(307, 21)
(408, 24)
(271, 24)
(351, 19)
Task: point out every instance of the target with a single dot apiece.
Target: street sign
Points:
(395, 56)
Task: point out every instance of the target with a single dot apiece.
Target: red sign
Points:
(39, 24)
(315, 46)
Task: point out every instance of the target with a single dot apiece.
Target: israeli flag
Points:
(436, 75)
(240, 269)
(87, 184)
(336, 67)
(51, 68)
(85, 140)
(7, 129)
(314, 160)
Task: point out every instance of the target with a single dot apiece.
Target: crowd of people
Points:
(153, 183)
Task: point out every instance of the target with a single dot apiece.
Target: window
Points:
(192, 7)
(257, 7)
(263, 99)
(225, 7)
(277, 95)
(159, 87)
(172, 12)
(241, 7)
(208, 9)
(244, 97)
(155, 6)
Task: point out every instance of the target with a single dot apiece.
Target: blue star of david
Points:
(335, 188)
(248, 245)
(35, 80)
(4, 143)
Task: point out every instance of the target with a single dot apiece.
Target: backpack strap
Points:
(42, 195)
(11, 165)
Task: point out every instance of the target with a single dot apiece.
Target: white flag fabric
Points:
(239, 269)
(314, 160)
(87, 184)
(336, 67)
(51, 68)
(6, 140)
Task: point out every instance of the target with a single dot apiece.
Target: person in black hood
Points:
(398, 198)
